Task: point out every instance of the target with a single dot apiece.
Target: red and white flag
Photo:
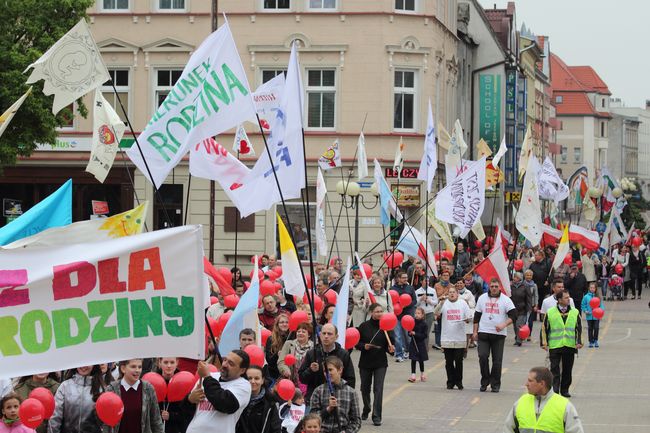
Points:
(586, 238)
(495, 265)
(242, 145)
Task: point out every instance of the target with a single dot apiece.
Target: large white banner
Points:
(134, 297)
(462, 201)
(551, 185)
(211, 96)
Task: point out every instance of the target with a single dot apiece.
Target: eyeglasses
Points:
(494, 287)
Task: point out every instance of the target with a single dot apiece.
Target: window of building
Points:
(563, 154)
(404, 97)
(120, 78)
(322, 4)
(558, 99)
(602, 129)
(577, 155)
(277, 4)
(269, 74)
(67, 115)
(297, 225)
(165, 80)
(602, 103)
(171, 5)
(405, 5)
(321, 98)
(170, 212)
(115, 5)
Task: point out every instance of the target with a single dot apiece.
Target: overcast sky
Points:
(608, 36)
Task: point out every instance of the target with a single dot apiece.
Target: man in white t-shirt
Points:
(550, 301)
(493, 314)
(220, 398)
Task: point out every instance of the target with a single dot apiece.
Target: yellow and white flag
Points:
(562, 249)
(399, 159)
(291, 275)
(6, 117)
(108, 130)
(483, 149)
(444, 139)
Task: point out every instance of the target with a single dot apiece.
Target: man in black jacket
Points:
(541, 270)
(311, 371)
(576, 284)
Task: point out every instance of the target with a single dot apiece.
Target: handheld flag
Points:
(499, 155)
(242, 145)
(291, 275)
(562, 249)
(483, 149)
(551, 185)
(429, 163)
(321, 193)
(526, 151)
(331, 158)
(587, 238)
(529, 215)
(388, 205)
(340, 317)
(108, 130)
(495, 265)
(413, 243)
(399, 159)
(362, 159)
(440, 227)
(10, 112)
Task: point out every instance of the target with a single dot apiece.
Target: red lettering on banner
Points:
(139, 275)
(10, 296)
(109, 279)
(62, 285)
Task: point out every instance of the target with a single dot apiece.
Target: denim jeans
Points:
(400, 341)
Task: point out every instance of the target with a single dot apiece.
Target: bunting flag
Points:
(225, 287)
(291, 274)
(399, 159)
(526, 151)
(211, 96)
(414, 244)
(503, 148)
(242, 145)
(53, 211)
(340, 317)
(362, 159)
(440, 227)
(483, 149)
(10, 112)
(388, 205)
(444, 139)
(331, 158)
(578, 186)
(123, 224)
(462, 201)
(586, 238)
(321, 193)
(108, 130)
(285, 147)
(72, 67)
(457, 146)
(562, 249)
(551, 185)
(495, 265)
(429, 162)
(529, 215)
(244, 316)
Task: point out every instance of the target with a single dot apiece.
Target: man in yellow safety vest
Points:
(562, 337)
(541, 409)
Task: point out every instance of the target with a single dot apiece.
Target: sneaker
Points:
(423, 377)
(528, 339)
(591, 345)
(460, 386)
(412, 378)
(483, 388)
(596, 344)
(399, 359)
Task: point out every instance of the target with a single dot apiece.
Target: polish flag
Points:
(495, 265)
(550, 236)
(586, 238)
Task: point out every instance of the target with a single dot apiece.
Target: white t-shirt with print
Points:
(493, 312)
(207, 419)
(551, 302)
(453, 315)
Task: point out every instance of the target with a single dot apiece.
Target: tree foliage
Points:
(636, 205)
(29, 28)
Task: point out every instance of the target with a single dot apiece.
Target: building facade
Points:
(643, 116)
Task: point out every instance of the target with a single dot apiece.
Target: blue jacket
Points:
(586, 308)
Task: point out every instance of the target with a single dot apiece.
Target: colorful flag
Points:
(399, 159)
(586, 238)
(551, 185)
(577, 184)
(321, 193)
(388, 205)
(331, 158)
(429, 163)
(242, 145)
(493, 175)
(362, 159)
(244, 316)
(291, 274)
(526, 151)
(495, 265)
(562, 249)
(550, 235)
(608, 183)
(108, 130)
(440, 227)
(72, 67)
(529, 215)
(414, 244)
(211, 96)
(123, 224)
(9, 113)
(502, 151)
(483, 149)
(53, 211)
(340, 317)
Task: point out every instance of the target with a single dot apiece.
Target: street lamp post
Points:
(350, 193)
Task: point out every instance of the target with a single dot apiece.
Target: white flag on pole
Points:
(502, 151)
(429, 162)
(211, 96)
(108, 130)
(267, 100)
(529, 215)
(72, 67)
(399, 158)
(331, 158)
(9, 113)
(340, 318)
(242, 145)
(362, 159)
(551, 185)
(321, 193)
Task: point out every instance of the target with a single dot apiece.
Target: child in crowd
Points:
(417, 347)
(309, 424)
(174, 416)
(10, 405)
(593, 324)
(292, 412)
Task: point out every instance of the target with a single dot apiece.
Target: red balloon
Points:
(230, 301)
(367, 269)
(31, 413)
(278, 271)
(447, 255)
(256, 354)
(46, 398)
(296, 318)
(519, 265)
(318, 304)
(594, 302)
(524, 332)
(214, 300)
(394, 259)
(405, 300)
(579, 264)
(394, 296)
(636, 241)
(285, 389)
(277, 286)
(388, 322)
(619, 269)
(436, 255)
(225, 273)
(158, 383)
(397, 309)
(308, 281)
(598, 313)
(331, 296)
(267, 288)
(408, 322)
(109, 407)
(270, 275)
(265, 334)
(568, 259)
(246, 285)
(289, 360)
(180, 385)
(223, 320)
(260, 274)
(352, 337)
(214, 326)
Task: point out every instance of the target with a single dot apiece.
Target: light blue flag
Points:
(388, 205)
(54, 211)
(244, 316)
(340, 318)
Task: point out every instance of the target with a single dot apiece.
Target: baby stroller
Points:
(615, 288)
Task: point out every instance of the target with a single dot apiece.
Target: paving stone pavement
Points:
(611, 384)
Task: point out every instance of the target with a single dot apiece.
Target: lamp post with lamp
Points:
(351, 197)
